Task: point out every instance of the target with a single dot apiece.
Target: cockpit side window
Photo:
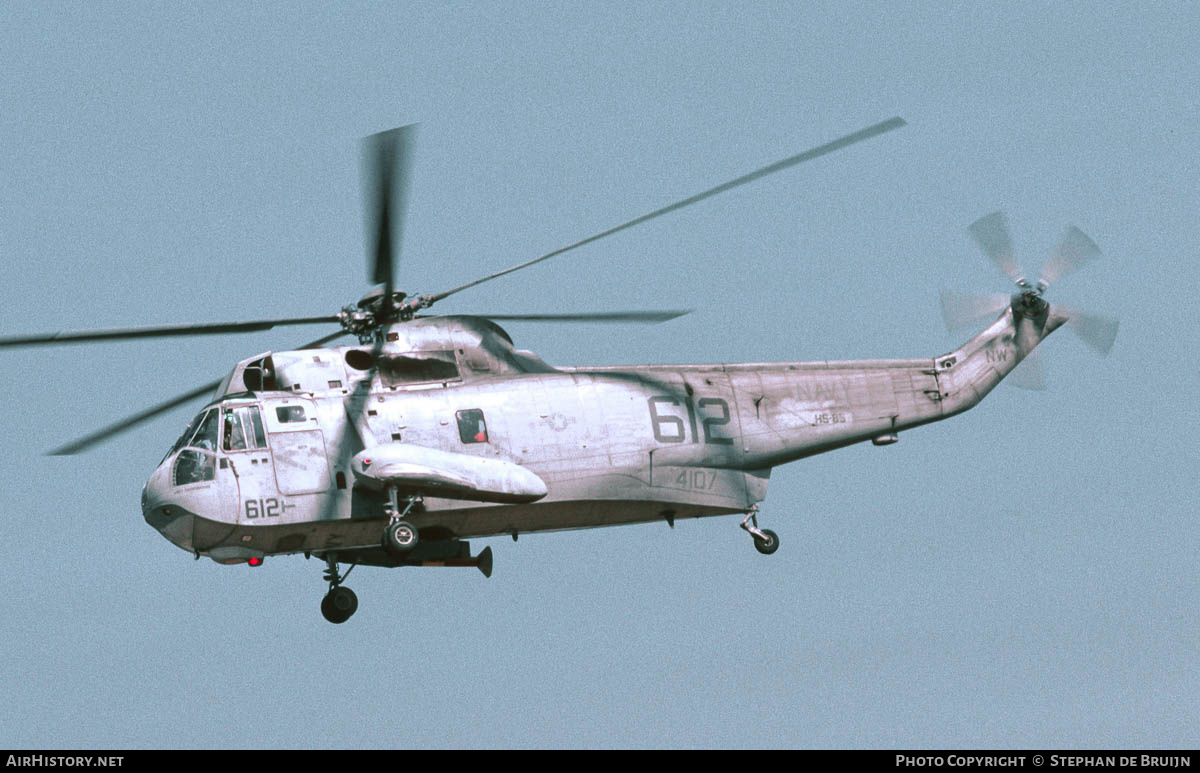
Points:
(193, 467)
(233, 432)
(242, 428)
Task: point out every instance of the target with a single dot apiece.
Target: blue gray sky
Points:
(1022, 575)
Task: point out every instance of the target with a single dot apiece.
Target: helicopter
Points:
(434, 430)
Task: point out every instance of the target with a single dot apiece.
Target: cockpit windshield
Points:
(206, 434)
(196, 466)
(192, 426)
(241, 429)
(197, 463)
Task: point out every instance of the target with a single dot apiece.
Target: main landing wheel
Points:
(400, 537)
(768, 543)
(338, 604)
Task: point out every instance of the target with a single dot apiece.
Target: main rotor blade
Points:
(386, 163)
(129, 422)
(965, 309)
(1075, 250)
(217, 328)
(647, 317)
(1094, 330)
(86, 442)
(341, 448)
(808, 155)
(991, 234)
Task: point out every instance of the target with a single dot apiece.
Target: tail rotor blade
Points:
(1075, 250)
(964, 309)
(991, 234)
(1029, 373)
(1096, 331)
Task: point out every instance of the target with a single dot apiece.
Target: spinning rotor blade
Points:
(963, 309)
(86, 442)
(648, 317)
(1029, 373)
(991, 234)
(808, 155)
(217, 328)
(116, 428)
(1094, 330)
(1075, 250)
(343, 448)
(386, 162)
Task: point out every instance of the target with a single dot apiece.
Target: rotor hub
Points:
(1029, 303)
(377, 309)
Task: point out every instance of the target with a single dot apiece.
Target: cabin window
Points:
(471, 426)
(242, 429)
(288, 414)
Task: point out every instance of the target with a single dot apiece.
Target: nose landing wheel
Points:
(340, 602)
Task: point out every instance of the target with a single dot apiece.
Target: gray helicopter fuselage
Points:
(613, 445)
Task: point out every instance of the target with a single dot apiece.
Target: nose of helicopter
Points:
(170, 510)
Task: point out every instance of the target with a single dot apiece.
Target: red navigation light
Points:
(255, 561)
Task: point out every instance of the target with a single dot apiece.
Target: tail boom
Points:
(791, 411)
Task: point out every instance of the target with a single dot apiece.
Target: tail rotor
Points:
(1028, 304)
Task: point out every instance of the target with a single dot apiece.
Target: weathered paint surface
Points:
(612, 445)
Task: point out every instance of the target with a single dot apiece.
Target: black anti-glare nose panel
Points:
(161, 517)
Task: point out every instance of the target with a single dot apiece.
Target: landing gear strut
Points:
(400, 536)
(765, 540)
(339, 603)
